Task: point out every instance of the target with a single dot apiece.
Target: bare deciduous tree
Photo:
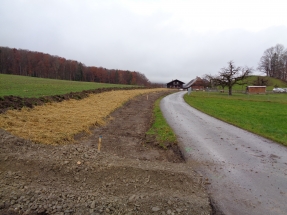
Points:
(230, 75)
(274, 62)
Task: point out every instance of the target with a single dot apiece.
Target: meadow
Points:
(25, 86)
(264, 115)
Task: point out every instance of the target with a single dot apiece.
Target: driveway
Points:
(245, 173)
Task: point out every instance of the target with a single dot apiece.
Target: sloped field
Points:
(57, 123)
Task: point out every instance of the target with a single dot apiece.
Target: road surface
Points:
(247, 174)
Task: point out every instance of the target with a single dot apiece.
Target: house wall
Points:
(175, 84)
(197, 87)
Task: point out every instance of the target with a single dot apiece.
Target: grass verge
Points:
(25, 86)
(164, 134)
(264, 115)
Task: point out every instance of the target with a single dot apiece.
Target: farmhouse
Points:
(175, 84)
(256, 89)
(196, 84)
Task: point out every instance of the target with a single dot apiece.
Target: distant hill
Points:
(256, 80)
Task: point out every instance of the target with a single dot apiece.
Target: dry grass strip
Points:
(57, 123)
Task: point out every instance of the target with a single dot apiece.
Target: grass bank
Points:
(252, 80)
(264, 115)
(160, 128)
(24, 86)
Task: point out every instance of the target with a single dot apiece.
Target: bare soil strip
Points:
(17, 102)
(128, 176)
(57, 123)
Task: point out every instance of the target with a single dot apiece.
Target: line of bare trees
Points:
(37, 64)
(274, 62)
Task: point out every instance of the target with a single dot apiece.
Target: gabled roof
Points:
(190, 83)
(193, 81)
(174, 81)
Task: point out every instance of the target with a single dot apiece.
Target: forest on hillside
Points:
(37, 64)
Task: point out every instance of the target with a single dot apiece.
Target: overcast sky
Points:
(163, 39)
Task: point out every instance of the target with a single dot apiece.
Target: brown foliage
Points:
(38, 64)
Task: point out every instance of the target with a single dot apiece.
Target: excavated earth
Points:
(16, 102)
(130, 175)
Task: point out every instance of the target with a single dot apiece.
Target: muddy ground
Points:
(131, 174)
(17, 102)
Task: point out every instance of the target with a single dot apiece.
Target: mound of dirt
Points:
(128, 176)
(16, 102)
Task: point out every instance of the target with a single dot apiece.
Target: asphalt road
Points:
(247, 174)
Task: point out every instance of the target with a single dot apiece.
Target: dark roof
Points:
(175, 80)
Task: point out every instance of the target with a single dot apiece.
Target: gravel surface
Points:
(129, 176)
(247, 173)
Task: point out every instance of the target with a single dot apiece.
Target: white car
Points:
(278, 90)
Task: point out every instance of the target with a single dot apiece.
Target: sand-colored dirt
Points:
(57, 123)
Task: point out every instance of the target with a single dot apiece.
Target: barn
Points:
(196, 84)
(177, 84)
(256, 89)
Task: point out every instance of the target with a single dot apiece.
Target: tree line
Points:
(274, 62)
(38, 64)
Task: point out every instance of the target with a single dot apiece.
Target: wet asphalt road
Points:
(247, 173)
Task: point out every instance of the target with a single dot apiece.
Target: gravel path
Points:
(247, 173)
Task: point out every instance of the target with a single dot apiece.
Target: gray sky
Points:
(163, 39)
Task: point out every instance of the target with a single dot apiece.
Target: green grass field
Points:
(272, 82)
(160, 128)
(24, 86)
(265, 115)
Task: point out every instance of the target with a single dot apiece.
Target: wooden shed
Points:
(256, 89)
(175, 84)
